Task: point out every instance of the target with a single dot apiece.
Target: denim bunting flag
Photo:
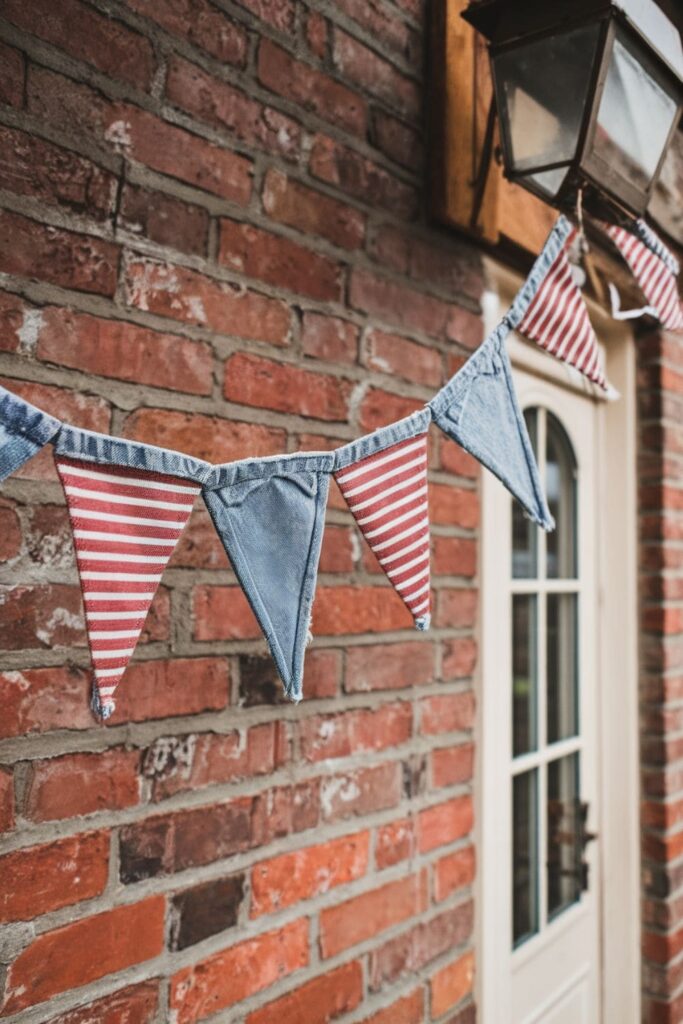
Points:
(24, 430)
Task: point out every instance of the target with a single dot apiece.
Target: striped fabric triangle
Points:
(654, 268)
(557, 319)
(387, 494)
(125, 523)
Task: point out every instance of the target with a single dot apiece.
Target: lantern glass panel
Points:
(634, 118)
(543, 88)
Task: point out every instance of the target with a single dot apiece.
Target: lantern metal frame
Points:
(605, 191)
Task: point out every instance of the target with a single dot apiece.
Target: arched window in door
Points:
(547, 875)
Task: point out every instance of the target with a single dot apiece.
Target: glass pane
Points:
(524, 673)
(524, 532)
(543, 87)
(560, 486)
(564, 828)
(524, 856)
(562, 703)
(549, 181)
(634, 118)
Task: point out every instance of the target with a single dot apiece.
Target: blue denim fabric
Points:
(269, 514)
(115, 451)
(553, 244)
(478, 408)
(24, 430)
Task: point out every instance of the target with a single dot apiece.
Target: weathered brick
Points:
(375, 74)
(339, 610)
(390, 353)
(164, 219)
(360, 177)
(36, 168)
(223, 613)
(448, 712)
(114, 348)
(407, 1010)
(379, 408)
(60, 257)
(13, 76)
(361, 791)
(40, 615)
(390, 246)
(226, 978)
(278, 13)
(205, 437)
(381, 22)
(329, 338)
(339, 735)
(370, 914)
(411, 950)
(224, 107)
(453, 506)
(398, 140)
(318, 1001)
(395, 842)
(10, 532)
(444, 823)
(162, 689)
(136, 1004)
(205, 910)
(459, 658)
(317, 34)
(388, 666)
(451, 984)
(279, 261)
(453, 872)
(455, 459)
(6, 800)
(398, 304)
(252, 380)
(201, 24)
(454, 556)
(305, 873)
(337, 551)
(14, 316)
(62, 959)
(191, 297)
(63, 787)
(451, 765)
(87, 35)
(43, 878)
(310, 88)
(292, 203)
(456, 609)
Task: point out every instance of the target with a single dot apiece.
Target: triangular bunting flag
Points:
(271, 526)
(387, 494)
(126, 523)
(24, 430)
(654, 268)
(557, 319)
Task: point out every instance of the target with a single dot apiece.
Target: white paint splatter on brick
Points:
(196, 307)
(118, 133)
(334, 790)
(29, 332)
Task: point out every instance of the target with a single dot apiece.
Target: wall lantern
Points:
(589, 94)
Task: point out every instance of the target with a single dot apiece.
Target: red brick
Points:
(337, 552)
(381, 23)
(451, 984)
(379, 408)
(33, 167)
(222, 613)
(459, 658)
(451, 712)
(311, 212)
(360, 177)
(390, 353)
(395, 842)
(114, 348)
(63, 787)
(279, 261)
(421, 944)
(88, 36)
(378, 76)
(10, 532)
(62, 959)
(164, 219)
(163, 689)
(455, 459)
(316, 34)
(370, 914)
(226, 978)
(191, 297)
(59, 257)
(329, 338)
(339, 735)
(252, 380)
(444, 823)
(199, 546)
(456, 609)
(454, 556)
(390, 246)
(41, 616)
(13, 76)
(278, 13)
(465, 327)
(407, 1010)
(137, 1004)
(398, 141)
(318, 1001)
(39, 879)
(173, 151)
(453, 872)
(303, 874)
(339, 610)
(455, 268)
(61, 102)
(205, 437)
(388, 666)
(361, 791)
(398, 304)
(13, 316)
(310, 89)
(451, 765)
(453, 506)
(224, 107)
(41, 699)
(201, 24)
(6, 800)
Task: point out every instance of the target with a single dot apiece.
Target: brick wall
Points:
(660, 399)
(212, 237)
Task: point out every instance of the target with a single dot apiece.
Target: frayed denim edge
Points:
(417, 423)
(20, 417)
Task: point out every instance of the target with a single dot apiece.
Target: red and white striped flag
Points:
(557, 319)
(387, 494)
(655, 269)
(125, 523)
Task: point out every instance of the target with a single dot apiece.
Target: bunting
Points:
(655, 269)
(125, 525)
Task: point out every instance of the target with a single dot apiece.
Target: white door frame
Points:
(617, 850)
